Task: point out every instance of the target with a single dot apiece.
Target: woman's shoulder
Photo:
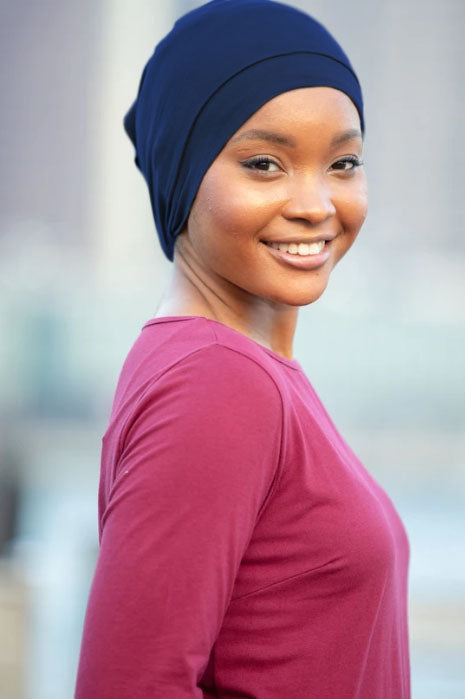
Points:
(167, 341)
(196, 351)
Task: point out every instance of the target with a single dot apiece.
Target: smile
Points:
(306, 256)
(302, 249)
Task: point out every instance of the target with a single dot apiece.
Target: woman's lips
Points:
(301, 261)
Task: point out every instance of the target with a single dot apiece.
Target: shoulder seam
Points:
(217, 343)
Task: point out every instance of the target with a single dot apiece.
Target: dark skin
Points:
(287, 181)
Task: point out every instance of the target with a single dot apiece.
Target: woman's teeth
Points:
(299, 249)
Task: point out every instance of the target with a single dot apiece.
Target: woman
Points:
(245, 550)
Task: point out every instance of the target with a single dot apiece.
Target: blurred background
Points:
(81, 272)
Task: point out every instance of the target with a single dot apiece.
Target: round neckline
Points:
(292, 363)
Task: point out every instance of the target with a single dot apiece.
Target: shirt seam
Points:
(270, 353)
(278, 582)
(150, 384)
(216, 342)
(279, 469)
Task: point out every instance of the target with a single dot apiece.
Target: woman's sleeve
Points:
(199, 459)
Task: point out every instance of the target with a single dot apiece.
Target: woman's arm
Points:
(198, 462)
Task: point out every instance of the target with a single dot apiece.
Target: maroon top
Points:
(245, 550)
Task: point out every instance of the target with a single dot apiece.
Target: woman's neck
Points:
(271, 325)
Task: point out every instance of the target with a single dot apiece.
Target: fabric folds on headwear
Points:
(216, 67)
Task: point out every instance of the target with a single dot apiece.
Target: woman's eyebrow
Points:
(286, 140)
(344, 136)
(271, 136)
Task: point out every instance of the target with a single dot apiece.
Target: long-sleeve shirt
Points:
(245, 551)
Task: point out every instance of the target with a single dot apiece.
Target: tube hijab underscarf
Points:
(217, 66)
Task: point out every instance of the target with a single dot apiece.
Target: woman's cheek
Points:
(361, 200)
(242, 213)
(353, 209)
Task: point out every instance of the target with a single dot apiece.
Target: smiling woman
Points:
(245, 550)
(291, 178)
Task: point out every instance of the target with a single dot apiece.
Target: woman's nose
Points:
(310, 200)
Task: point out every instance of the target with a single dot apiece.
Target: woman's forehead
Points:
(304, 108)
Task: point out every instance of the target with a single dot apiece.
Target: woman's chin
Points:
(301, 297)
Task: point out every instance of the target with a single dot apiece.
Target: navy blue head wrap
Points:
(216, 67)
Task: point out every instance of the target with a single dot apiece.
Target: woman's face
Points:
(290, 174)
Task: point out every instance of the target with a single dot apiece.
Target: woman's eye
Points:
(347, 164)
(261, 163)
